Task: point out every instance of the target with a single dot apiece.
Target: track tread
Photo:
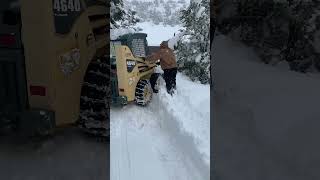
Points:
(139, 94)
(94, 101)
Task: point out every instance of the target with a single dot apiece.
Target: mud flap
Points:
(36, 122)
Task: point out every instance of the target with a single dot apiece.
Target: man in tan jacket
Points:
(168, 63)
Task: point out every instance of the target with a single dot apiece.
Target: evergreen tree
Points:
(121, 17)
(194, 46)
(165, 12)
(279, 30)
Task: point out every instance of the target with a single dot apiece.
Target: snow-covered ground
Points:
(70, 154)
(266, 119)
(168, 139)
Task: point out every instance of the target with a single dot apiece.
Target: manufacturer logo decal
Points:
(130, 65)
(70, 61)
(131, 80)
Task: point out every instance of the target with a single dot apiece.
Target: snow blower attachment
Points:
(132, 78)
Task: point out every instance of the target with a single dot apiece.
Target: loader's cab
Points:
(129, 70)
(136, 42)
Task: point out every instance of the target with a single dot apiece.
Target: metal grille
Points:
(138, 47)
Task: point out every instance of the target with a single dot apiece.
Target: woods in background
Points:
(193, 43)
(164, 12)
(193, 49)
(278, 30)
(121, 17)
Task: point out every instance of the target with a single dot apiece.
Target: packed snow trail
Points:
(190, 109)
(159, 143)
(266, 119)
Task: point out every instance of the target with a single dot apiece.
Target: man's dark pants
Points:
(170, 79)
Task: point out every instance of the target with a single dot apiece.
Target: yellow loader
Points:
(133, 79)
(54, 69)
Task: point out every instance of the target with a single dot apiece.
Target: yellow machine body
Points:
(57, 58)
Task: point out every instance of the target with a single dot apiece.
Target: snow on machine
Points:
(132, 78)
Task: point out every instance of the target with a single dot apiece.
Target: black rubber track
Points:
(95, 98)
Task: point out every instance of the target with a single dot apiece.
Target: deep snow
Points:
(191, 109)
(266, 119)
(168, 139)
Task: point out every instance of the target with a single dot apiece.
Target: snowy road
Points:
(160, 142)
(70, 154)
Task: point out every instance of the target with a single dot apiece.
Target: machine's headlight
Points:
(70, 61)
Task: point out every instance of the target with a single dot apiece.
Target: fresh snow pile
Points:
(266, 118)
(168, 139)
(190, 107)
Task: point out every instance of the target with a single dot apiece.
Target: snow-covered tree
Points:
(120, 17)
(279, 30)
(157, 11)
(194, 46)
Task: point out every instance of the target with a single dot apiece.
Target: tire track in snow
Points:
(160, 154)
(185, 142)
(127, 148)
(126, 136)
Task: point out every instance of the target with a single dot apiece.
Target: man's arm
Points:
(154, 57)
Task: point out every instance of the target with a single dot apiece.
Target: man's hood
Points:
(164, 44)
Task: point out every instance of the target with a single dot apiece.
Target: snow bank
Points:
(190, 107)
(264, 114)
